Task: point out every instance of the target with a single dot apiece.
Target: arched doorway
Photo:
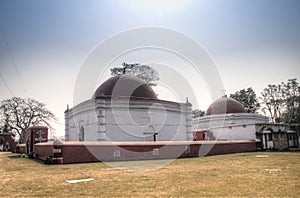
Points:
(81, 134)
(267, 138)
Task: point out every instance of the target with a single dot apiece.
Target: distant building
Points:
(226, 119)
(277, 136)
(7, 142)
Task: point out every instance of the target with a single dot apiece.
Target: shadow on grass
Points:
(14, 156)
(39, 161)
(17, 156)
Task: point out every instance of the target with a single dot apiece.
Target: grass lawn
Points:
(245, 174)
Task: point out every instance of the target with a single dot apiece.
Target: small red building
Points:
(33, 135)
(199, 135)
(7, 142)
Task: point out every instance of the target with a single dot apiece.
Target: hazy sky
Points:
(43, 43)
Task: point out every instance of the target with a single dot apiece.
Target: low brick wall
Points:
(21, 148)
(75, 152)
(232, 147)
(42, 151)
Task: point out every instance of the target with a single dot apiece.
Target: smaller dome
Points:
(225, 106)
(125, 86)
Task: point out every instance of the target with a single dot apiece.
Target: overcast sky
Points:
(43, 43)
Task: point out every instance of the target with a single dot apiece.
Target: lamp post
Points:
(153, 133)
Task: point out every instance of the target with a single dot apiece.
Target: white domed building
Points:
(227, 119)
(124, 108)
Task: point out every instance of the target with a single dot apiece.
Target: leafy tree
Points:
(144, 72)
(292, 101)
(273, 101)
(18, 114)
(282, 101)
(247, 97)
(125, 69)
(197, 113)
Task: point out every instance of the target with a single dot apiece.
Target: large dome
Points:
(224, 106)
(125, 86)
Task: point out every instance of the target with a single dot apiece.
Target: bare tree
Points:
(144, 72)
(18, 114)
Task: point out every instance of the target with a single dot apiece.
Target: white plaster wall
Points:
(223, 120)
(122, 125)
(235, 132)
(170, 120)
(83, 115)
